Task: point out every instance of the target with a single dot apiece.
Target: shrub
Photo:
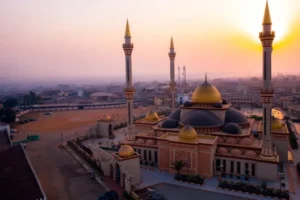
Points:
(189, 178)
(127, 196)
(239, 186)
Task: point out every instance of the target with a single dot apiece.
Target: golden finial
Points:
(171, 45)
(267, 17)
(127, 31)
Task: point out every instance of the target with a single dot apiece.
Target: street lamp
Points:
(221, 168)
(61, 137)
(281, 177)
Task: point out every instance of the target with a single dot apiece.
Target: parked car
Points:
(21, 122)
(25, 120)
(111, 195)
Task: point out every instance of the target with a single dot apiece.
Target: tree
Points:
(7, 115)
(10, 103)
(178, 165)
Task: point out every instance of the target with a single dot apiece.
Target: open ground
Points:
(62, 178)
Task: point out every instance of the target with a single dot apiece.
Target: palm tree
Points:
(178, 165)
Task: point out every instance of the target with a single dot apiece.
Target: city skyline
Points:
(82, 40)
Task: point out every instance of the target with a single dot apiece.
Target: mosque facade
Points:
(207, 133)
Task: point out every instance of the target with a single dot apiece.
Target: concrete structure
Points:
(102, 96)
(129, 90)
(240, 100)
(123, 165)
(285, 102)
(18, 178)
(104, 127)
(5, 141)
(172, 84)
(267, 93)
(294, 111)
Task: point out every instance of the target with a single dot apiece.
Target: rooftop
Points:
(18, 180)
(201, 139)
(4, 139)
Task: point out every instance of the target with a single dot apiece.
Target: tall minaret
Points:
(267, 37)
(129, 90)
(172, 84)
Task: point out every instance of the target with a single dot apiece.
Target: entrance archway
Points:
(118, 173)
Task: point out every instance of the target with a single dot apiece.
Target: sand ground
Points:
(61, 177)
(67, 120)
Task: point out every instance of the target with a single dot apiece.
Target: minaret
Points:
(129, 90)
(172, 84)
(267, 94)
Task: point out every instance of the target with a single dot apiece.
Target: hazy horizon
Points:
(75, 40)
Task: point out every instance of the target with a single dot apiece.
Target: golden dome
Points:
(126, 151)
(187, 133)
(276, 124)
(206, 93)
(107, 118)
(152, 116)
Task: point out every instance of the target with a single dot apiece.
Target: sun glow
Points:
(251, 18)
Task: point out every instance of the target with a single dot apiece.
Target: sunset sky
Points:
(59, 39)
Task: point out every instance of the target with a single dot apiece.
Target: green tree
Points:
(7, 115)
(178, 165)
(10, 103)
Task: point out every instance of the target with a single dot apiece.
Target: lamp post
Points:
(221, 168)
(61, 137)
(281, 177)
(248, 174)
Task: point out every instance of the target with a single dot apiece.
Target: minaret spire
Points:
(267, 16)
(267, 94)
(129, 90)
(205, 77)
(172, 44)
(172, 83)
(127, 31)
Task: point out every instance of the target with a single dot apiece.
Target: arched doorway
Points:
(118, 173)
(111, 170)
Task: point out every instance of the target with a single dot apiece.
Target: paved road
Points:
(173, 192)
(61, 176)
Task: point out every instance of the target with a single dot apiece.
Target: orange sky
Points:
(76, 38)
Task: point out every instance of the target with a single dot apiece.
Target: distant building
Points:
(103, 96)
(294, 111)
(285, 102)
(80, 93)
(240, 100)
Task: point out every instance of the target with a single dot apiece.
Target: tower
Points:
(172, 84)
(179, 81)
(267, 36)
(184, 79)
(129, 90)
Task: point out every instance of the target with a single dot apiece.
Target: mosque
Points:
(207, 134)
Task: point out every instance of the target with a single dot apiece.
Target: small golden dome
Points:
(126, 151)
(107, 118)
(187, 133)
(206, 93)
(276, 124)
(152, 116)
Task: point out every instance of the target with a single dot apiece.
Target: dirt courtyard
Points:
(66, 120)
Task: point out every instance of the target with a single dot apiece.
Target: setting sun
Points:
(251, 17)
